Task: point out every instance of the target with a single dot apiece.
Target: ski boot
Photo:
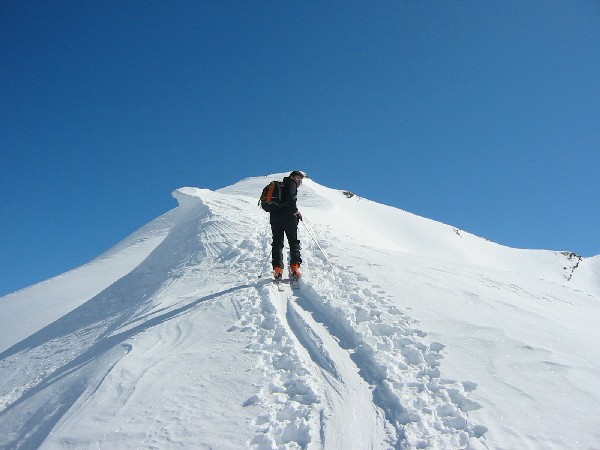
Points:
(277, 273)
(295, 271)
(295, 276)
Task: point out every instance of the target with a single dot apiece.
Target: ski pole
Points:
(313, 238)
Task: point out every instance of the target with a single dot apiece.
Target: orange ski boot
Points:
(295, 270)
(277, 272)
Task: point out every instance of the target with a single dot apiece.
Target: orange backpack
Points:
(271, 197)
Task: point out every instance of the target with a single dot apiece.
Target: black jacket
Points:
(289, 194)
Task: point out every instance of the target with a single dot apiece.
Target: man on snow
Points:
(285, 221)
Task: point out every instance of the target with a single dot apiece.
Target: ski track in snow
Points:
(394, 357)
(337, 342)
(318, 345)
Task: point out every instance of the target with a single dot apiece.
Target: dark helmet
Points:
(297, 173)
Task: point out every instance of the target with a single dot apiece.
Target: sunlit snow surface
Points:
(420, 336)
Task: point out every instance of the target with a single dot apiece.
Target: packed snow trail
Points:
(312, 386)
(345, 390)
(335, 381)
(303, 325)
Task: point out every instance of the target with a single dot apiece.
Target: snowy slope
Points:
(420, 336)
(63, 293)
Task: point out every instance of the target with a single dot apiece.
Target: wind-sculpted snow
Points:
(392, 342)
(61, 294)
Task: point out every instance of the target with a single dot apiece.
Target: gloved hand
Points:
(298, 215)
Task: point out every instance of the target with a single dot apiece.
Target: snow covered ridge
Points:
(423, 336)
(394, 229)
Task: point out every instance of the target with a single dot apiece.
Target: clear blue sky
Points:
(483, 115)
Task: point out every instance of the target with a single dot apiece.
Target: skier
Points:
(285, 220)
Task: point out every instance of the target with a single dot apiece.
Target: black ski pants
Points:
(287, 225)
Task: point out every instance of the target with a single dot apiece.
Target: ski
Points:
(279, 284)
(294, 282)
